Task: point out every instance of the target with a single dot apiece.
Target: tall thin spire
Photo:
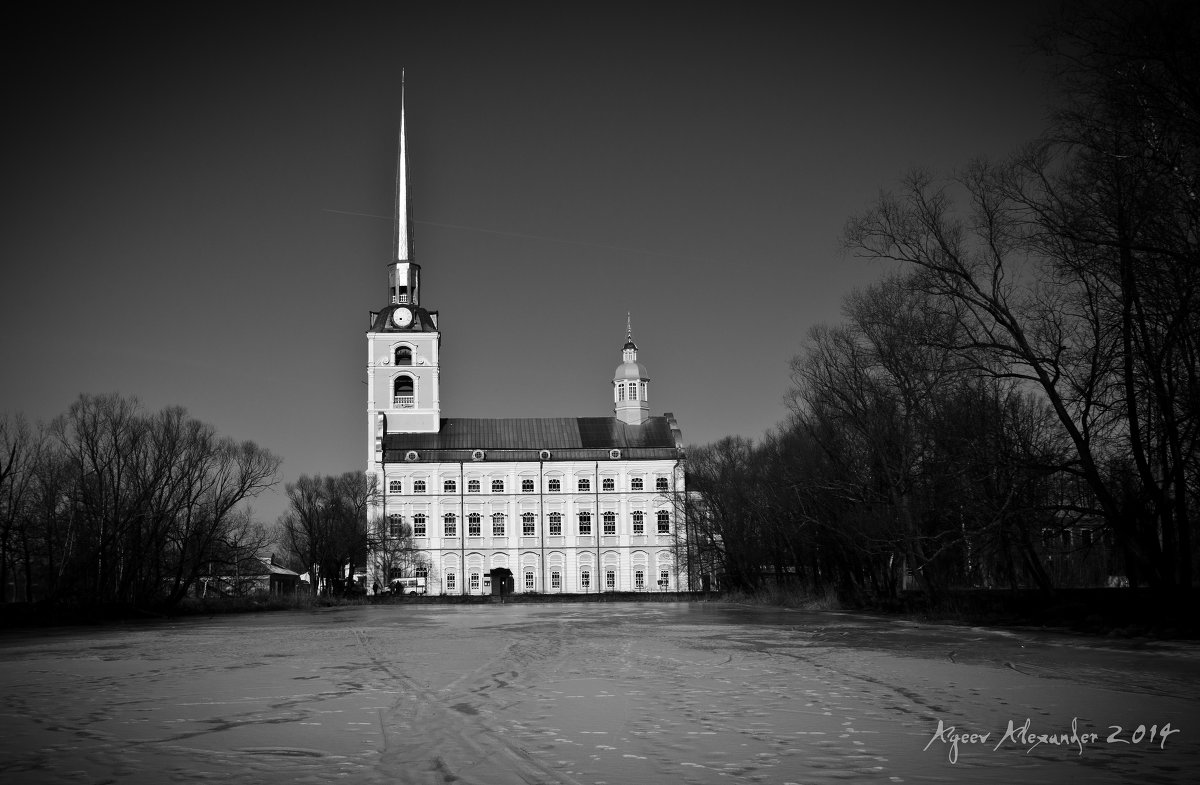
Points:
(404, 221)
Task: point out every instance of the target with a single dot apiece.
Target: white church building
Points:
(548, 505)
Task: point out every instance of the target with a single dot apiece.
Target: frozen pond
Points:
(624, 694)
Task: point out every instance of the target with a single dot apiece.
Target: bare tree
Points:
(1075, 268)
(124, 508)
(392, 551)
(325, 526)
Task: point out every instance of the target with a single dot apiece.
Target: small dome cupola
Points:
(629, 353)
(631, 383)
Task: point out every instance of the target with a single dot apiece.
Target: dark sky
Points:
(197, 196)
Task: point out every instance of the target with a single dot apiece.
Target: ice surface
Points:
(615, 693)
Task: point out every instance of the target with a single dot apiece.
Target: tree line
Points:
(328, 529)
(1025, 382)
(113, 505)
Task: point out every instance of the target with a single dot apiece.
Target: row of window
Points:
(585, 580)
(554, 524)
(553, 485)
(633, 391)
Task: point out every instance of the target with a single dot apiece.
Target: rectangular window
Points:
(474, 581)
(664, 522)
(664, 580)
(450, 526)
(610, 523)
(585, 580)
(450, 581)
(555, 579)
(528, 525)
(473, 525)
(639, 579)
(610, 580)
(472, 486)
(497, 525)
(497, 486)
(419, 486)
(526, 486)
(555, 485)
(450, 486)
(608, 484)
(585, 523)
(395, 525)
(639, 523)
(585, 485)
(660, 484)
(418, 525)
(555, 524)
(394, 486)
(529, 580)
(632, 392)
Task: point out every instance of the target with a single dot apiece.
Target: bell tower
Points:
(630, 383)
(403, 341)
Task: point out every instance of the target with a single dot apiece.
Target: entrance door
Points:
(502, 581)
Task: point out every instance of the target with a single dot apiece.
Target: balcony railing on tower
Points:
(404, 401)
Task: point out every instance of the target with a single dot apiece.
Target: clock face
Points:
(402, 317)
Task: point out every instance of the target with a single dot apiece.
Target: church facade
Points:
(548, 505)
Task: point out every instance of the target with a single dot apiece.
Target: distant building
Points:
(260, 575)
(564, 504)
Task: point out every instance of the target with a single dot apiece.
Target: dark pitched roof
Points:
(516, 439)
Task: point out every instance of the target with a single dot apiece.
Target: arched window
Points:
(394, 486)
(473, 522)
(419, 525)
(395, 525)
(639, 522)
(555, 522)
(639, 579)
(555, 485)
(636, 484)
(404, 395)
(418, 486)
(608, 484)
(633, 391)
(664, 522)
(450, 525)
(661, 484)
(621, 391)
(585, 523)
(609, 520)
(403, 355)
(529, 580)
(498, 525)
(528, 525)
(449, 486)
